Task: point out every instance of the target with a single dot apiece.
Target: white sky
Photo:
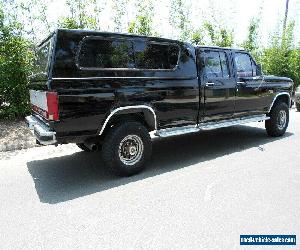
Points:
(236, 14)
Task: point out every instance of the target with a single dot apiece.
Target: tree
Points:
(197, 37)
(31, 14)
(218, 35)
(285, 16)
(294, 61)
(281, 57)
(251, 42)
(179, 18)
(81, 16)
(225, 38)
(15, 66)
(119, 8)
(142, 24)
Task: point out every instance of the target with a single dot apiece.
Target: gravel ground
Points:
(15, 135)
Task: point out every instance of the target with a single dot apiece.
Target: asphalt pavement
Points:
(200, 191)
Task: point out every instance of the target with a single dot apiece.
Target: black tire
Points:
(83, 147)
(275, 126)
(298, 106)
(130, 139)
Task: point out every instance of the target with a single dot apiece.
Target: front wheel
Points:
(126, 148)
(279, 120)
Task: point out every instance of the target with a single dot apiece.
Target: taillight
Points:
(52, 105)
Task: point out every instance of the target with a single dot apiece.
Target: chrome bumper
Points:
(40, 130)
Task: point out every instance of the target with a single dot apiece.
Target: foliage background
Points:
(15, 66)
(19, 26)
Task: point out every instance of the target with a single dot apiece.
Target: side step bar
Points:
(209, 125)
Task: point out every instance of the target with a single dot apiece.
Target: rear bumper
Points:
(41, 131)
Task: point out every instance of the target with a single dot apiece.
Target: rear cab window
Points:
(104, 54)
(215, 64)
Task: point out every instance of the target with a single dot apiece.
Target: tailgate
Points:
(45, 103)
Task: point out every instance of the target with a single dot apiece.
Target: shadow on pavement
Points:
(72, 176)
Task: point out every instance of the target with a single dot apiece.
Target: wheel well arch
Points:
(281, 97)
(143, 113)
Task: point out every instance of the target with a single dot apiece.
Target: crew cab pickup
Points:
(107, 91)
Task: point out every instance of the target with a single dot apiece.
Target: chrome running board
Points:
(177, 131)
(209, 125)
(232, 122)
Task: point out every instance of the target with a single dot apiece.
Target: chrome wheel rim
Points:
(131, 149)
(282, 117)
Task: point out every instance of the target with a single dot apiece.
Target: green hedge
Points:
(15, 66)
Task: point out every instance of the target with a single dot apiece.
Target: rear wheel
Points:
(279, 120)
(298, 106)
(126, 148)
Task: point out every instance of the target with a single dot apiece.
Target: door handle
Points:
(209, 84)
(242, 83)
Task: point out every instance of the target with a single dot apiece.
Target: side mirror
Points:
(258, 70)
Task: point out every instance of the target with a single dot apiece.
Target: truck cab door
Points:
(252, 96)
(217, 85)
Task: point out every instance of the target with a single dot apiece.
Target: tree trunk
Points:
(285, 15)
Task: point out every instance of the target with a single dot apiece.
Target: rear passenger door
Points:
(171, 82)
(218, 85)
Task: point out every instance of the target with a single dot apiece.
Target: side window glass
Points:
(97, 53)
(243, 65)
(156, 56)
(212, 64)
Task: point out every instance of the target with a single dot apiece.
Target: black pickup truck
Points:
(107, 92)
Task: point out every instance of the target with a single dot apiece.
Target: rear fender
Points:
(149, 115)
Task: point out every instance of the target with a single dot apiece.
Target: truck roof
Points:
(218, 47)
(95, 32)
